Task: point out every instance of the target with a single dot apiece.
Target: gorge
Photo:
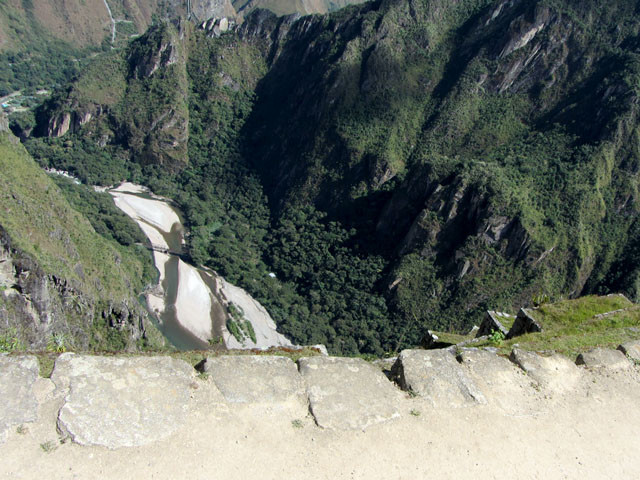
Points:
(193, 306)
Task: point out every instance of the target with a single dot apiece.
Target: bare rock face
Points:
(437, 376)
(18, 405)
(631, 350)
(256, 378)
(59, 125)
(555, 373)
(206, 9)
(121, 402)
(4, 122)
(524, 323)
(604, 358)
(348, 393)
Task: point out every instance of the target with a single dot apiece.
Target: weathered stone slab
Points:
(437, 376)
(554, 372)
(524, 323)
(501, 382)
(256, 378)
(122, 401)
(348, 393)
(604, 358)
(18, 403)
(631, 350)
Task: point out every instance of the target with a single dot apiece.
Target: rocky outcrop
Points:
(39, 307)
(71, 121)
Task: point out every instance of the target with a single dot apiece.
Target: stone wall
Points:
(123, 401)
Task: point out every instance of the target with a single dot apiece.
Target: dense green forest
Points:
(398, 165)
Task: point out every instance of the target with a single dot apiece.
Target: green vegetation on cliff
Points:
(399, 165)
(80, 284)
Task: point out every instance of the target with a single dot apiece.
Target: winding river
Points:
(192, 305)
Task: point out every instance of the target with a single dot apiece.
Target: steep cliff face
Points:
(138, 99)
(61, 284)
(439, 125)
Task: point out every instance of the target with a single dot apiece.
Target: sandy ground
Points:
(128, 187)
(155, 212)
(590, 433)
(193, 304)
(263, 324)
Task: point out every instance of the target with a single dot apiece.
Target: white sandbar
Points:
(193, 303)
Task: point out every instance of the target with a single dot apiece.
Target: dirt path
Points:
(590, 432)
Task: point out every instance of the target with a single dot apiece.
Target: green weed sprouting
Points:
(56, 343)
(496, 338)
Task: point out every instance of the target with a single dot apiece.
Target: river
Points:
(192, 305)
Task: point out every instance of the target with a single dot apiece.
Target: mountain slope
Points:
(422, 161)
(60, 281)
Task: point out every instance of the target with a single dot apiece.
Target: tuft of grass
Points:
(46, 362)
(415, 413)
(297, 423)
(48, 446)
(9, 342)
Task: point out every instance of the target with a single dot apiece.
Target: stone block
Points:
(437, 376)
(631, 350)
(122, 401)
(524, 323)
(256, 378)
(348, 393)
(604, 358)
(554, 372)
(18, 374)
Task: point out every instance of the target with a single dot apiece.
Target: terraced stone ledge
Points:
(117, 402)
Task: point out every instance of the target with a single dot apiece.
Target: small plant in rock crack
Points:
(48, 446)
(297, 423)
(57, 343)
(22, 430)
(496, 338)
(415, 413)
(412, 394)
(203, 375)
